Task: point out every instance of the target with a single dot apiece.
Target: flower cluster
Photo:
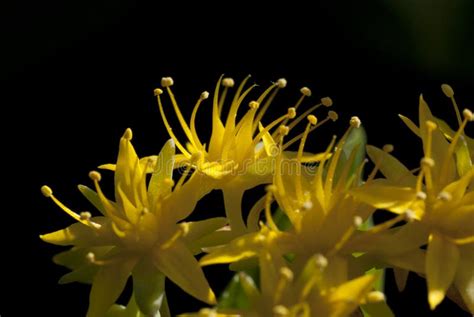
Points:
(308, 247)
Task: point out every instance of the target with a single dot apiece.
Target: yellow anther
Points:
(467, 114)
(307, 205)
(312, 119)
(375, 297)
(280, 311)
(427, 161)
(445, 196)
(46, 191)
(321, 261)
(333, 115)
(85, 215)
(95, 176)
(271, 188)
(326, 101)
(388, 148)
(431, 125)
(254, 105)
(286, 273)
(281, 83)
(204, 95)
(306, 91)
(447, 90)
(167, 81)
(283, 129)
(228, 82)
(291, 112)
(90, 257)
(157, 91)
(168, 181)
(355, 122)
(421, 195)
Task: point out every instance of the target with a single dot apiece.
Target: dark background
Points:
(74, 75)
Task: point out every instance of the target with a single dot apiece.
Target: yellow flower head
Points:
(137, 235)
(440, 198)
(234, 157)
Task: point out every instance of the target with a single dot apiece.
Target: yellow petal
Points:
(241, 248)
(347, 297)
(464, 279)
(393, 198)
(411, 125)
(180, 266)
(442, 259)
(390, 167)
(158, 186)
(80, 235)
(108, 285)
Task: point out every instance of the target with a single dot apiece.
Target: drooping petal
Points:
(92, 197)
(241, 248)
(442, 259)
(108, 285)
(180, 266)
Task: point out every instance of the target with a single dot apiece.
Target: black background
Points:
(74, 75)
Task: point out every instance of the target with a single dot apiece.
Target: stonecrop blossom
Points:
(234, 158)
(318, 254)
(137, 235)
(440, 201)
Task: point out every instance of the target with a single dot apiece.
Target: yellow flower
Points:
(138, 234)
(234, 158)
(440, 198)
(284, 292)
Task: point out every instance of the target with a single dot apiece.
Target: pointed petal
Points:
(163, 170)
(390, 167)
(198, 229)
(148, 287)
(401, 276)
(92, 197)
(180, 266)
(241, 248)
(442, 259)
(464, 279)
(108, 285)
(411, 125)
(393, 198)
(79, 234)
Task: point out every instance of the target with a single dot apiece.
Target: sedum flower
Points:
(440, 199)
(283, 292)
(234, 159)
(137, 235)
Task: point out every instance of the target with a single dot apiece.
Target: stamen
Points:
(388, 148)
(410, 215)
(170, 130)
(467, 114)
(157, 92)
(286, 277)
(182, 231)
(421, 195)
(281, 83)
(321, 261)
(254, 105)
(167, 82)
(85, 215)
(306, 91)
(95, 176)
(358, 221)
(204, 96)
(299, 177)
(299, 136)
(427, 162)
(48, 192)
(183, 177)
(326, 101)
(280, 311)
(333, 115)
(283, 130)
(228, 82)
(449, 92)
(445, 196)
(268, 201)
